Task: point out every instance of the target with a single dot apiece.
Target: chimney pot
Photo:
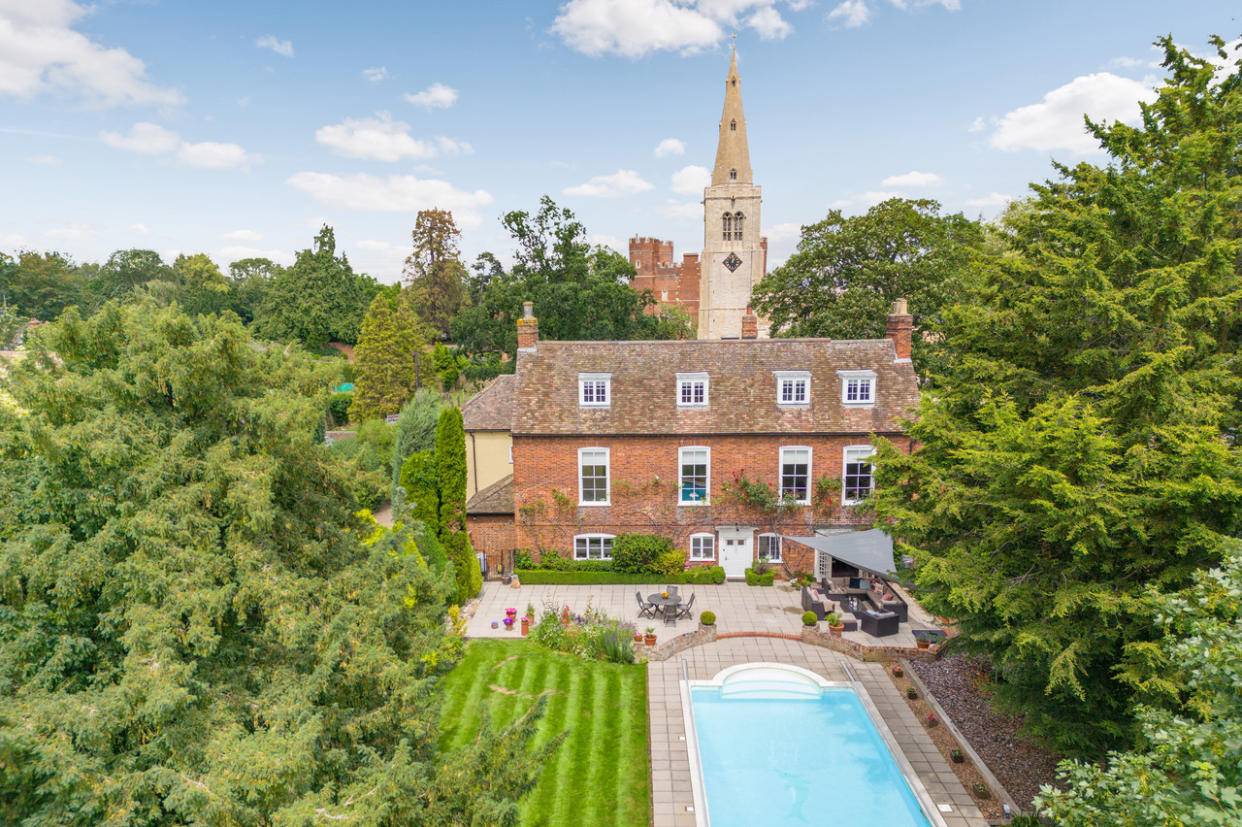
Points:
(527, 328)
(900, 329)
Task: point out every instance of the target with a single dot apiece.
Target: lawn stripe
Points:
(638, 737)
(627, 756)
(540, 803)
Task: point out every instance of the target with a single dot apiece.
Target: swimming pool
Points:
(780, 746)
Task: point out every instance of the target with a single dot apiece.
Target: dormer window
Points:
(793, 388)
(857, 388)
(692, 390)
(594, 390)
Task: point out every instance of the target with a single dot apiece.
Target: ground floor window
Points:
(593, 547)
(702, 547)
(770, 547)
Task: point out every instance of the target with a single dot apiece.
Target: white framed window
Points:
(592, 476)
(593, 547)
(702, 546)
(692, 390)
(594, 390)
(769, 547)
(857, 387)
(793, 387)
(510, 453)
(795, 473)
(694, 475)
(857, 479)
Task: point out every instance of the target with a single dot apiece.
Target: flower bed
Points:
(590, 635)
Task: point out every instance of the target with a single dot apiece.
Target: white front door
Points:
(737, 551)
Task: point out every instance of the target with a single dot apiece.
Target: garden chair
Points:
(684, 611)
(672, 590)
(645, 609)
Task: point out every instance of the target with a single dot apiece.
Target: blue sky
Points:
(236, 128)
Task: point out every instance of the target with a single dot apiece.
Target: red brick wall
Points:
(672, 285)
(491, 534)
(546, 487)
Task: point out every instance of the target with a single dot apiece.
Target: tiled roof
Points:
(741, 390)
(497, 498)
(491, 409)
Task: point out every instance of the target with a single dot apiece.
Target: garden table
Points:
(666, 605)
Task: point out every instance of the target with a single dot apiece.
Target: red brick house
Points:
(649, 437)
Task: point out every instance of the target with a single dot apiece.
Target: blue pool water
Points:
(777, 758)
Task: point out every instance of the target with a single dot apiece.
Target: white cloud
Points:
(44, 160)
(851, 14)
(243, 101)
(383, 139)
(994, 199)
(691, 180)
(622, 182)
(610, 241)
(72, 232)
(141, 229)
(214, 155)
(634, 28)
(13, 241)
(40, 52)
(242, 235)
(783, 232)
(152, 139)
(1057, 121)
(977, 125)
(284, 48)
(912, 179)
(449, 146)
(683, 209)
(143, 138)
(873, 197)
(374, 139)
(769, 24)
(1128, 63)
(670, 146)
(375, 74)
(396, 193)
(435, 96)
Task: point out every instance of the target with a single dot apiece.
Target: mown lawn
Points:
(598, 775)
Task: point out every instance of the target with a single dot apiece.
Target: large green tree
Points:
(193, 628)
(1186, 770)
(1081, 446)
(433, 271)
(386, 360)
(318, 299)
(249, 281)
(846, 272)
(40, 285)
(124, 272)
(579, 292)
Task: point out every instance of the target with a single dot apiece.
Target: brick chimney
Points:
(900, 329)
(750, 325)
(528, 327)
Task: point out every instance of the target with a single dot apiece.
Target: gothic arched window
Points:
(733, 126)
(733, 175)
(727, 221)
(737, 225)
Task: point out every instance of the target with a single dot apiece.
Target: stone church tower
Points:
(734, 256)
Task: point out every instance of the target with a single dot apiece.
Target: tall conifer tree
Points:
(386, 359)
(451, 468)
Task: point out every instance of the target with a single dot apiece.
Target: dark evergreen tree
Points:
(451, 473)
(386, 359)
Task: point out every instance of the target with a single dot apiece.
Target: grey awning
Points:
(871, 549)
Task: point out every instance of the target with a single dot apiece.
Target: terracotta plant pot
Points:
(525, 626)
(922, 642)
(836, 631)
(649, 640)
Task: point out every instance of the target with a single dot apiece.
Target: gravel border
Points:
(959, 684)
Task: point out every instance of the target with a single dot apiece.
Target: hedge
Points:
(765, 579)
(704, 575)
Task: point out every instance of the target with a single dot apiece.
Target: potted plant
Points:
(922, 642)
(981, 790)
(638, 636)
(809, 619)
(835, 626)
(932, 720)
(911, 694)
(708, 619)
(897, 671)
(650, 637)
(956, 756)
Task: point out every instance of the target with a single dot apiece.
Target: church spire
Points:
(732, 154)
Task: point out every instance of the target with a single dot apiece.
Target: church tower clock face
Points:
(732, 262)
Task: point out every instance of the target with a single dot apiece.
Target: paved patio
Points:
(672, 793)
(739, 609)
